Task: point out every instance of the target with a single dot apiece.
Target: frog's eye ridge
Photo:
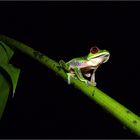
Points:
(94, 50)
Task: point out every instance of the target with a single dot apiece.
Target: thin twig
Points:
(124, 115)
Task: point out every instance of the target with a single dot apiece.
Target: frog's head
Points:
(101, 56)
(94, 59)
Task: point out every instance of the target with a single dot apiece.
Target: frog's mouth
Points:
(87, 72)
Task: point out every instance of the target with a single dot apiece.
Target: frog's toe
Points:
(62, 63)
(95, 83)
(88, 83)
(91, 83)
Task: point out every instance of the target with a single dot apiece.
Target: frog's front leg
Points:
(93, 79)
(78, 73)
(69, 76)
(67, 69)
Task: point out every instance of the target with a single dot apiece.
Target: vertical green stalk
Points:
(120, 112)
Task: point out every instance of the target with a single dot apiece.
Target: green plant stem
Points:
(120, 112)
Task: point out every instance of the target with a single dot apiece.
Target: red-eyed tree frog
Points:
(84, 67)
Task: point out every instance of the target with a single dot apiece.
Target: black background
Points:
(44, 105)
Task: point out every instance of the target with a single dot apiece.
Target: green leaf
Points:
(4, 93)
(6, 69)
(13, 73)
(5, 53)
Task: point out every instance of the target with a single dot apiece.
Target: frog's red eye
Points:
(94, 50)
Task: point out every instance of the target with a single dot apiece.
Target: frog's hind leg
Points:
(64, 65)
(66, 68)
